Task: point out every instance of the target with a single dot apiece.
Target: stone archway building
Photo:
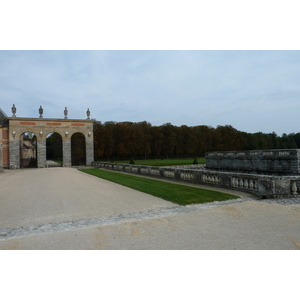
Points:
(12, 128)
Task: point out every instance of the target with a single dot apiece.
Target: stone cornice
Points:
(49, 120)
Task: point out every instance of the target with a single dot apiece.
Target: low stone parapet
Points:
(264, 186)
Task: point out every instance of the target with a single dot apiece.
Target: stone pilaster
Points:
(14, 154)
(41, 153)
(66, 144)
(89, 147)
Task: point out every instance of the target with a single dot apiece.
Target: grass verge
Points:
(176, 193)
(166, 162)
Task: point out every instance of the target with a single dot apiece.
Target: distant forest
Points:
(116, 141)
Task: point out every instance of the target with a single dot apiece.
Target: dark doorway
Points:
(78, 154)
(28, 153)
(54, 155)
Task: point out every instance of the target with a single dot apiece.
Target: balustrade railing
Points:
(144, 170)
(187, 175)
(261, 185)
(169, 173)
(155, 171)
(244, 183)
(211, 178)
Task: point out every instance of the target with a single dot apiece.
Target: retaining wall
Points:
(267, 162)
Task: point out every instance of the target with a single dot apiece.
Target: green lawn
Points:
(166, 162)
(176, 193)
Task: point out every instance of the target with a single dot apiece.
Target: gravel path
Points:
(62, 208)
(32, 197)
(6, 233)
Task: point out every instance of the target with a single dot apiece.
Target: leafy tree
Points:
(124, 140)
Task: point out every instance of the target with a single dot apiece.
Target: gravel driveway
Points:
(62, 208)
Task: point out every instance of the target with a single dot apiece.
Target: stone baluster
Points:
(241, 182)
(250, 184)
(236, 182)
(233, 181)
(294, 188)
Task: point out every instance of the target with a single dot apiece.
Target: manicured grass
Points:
(166, 162)
(176, 193)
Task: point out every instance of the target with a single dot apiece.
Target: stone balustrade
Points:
(264, 186)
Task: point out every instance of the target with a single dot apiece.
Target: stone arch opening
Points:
(78, 149)
(54, 150)
(28, 150)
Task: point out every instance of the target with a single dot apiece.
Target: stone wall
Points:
(1, 157)
(4, 159)
(267, 162)
(264, 186)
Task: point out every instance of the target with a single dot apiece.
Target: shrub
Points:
(195, 162)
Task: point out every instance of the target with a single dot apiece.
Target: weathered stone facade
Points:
(12, 130)
(41, 128)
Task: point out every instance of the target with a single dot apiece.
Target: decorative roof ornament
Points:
(66, 113)
(14, 110)
(41, 111)
(88, 113)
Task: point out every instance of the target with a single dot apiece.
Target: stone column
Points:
(66, 145)
(41, 152)
(89, 149)
(14, 153)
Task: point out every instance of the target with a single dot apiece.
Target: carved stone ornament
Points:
(14, 110)
(41, 111)
(88, 113)
(66, 113)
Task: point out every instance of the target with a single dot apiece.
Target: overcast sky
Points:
(250, 90)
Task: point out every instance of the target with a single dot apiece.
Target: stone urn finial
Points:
(88, 113)
(41, 111)
(14, 110)
(66, 113)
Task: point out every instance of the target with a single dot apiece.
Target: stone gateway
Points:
(13, 147)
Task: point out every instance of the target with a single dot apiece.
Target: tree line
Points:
(125, 140)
